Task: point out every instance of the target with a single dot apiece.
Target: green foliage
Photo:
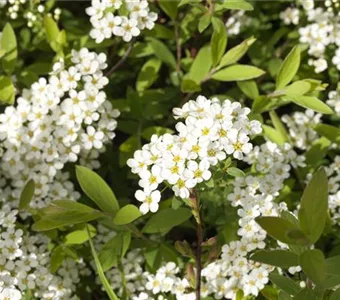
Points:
(97, 190)
(27, 194)
(9, 50)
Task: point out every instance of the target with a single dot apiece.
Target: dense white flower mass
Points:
(59, 120)
(25, 263)
(211, 131)
(300, 126)
(107, 21)
(320, 32)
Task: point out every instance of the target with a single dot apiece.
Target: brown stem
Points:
(196, 213)
(121, 61)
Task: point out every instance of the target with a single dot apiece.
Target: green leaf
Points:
(332, 133)
(148, 74)
(201, 65)
(80, 235)
(127, 214)
(298, 88)
(164, 220)
(306, 294)
(313, 264)
(237, 5)
(279, 126)
(335, 295)
(273, 135)
(162, 52)
(283, 230)
(235, 54)
(51, 29)
(277, 258)
(237, 73)
(333, 272)
(170, 8)
(218, 40)
(284, 296)
(312, 103)
(288, 68)
(103, 279)
(9, 46)
(314, 206)
(57, 258)
(110, 254)
(189, 86)
(7, 91)
(285, 284)
(97, 190)
(204, 22)
(318, 151)
(235, 172)
(27, 194)
(249, 88)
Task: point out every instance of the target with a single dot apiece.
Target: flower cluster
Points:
(211, 131)
(300, 125)
(25, 264)
(32, 11)
(235, 23)
(334, 101)
(107, 22)
(320, 32)
(59, 120)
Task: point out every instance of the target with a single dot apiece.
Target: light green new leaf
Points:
(237, 5)
(127, 214)
(283, 230)
(27, 194)
(218, 40)
(9, 48)
(312, 103)
(249, 88)
(237, 73)
(318, 151)
(332, 133)
(166, 219)
(97, 190)
(7, 91)
(201, 65)
(277, 258)
(189, 86)
(288, 68)
(103, 279)
(279, 125)
(313, 264)
(285, 284)
(80, 235)
(51, 29)
(314, 206)
(273, 135)
(148, 74)
(162, 52)
(235, 54)
(235, 172)
(298, 88)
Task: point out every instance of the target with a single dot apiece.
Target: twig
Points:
(196, 213)
(121, 61)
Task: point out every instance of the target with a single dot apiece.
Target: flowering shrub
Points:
(169, 150)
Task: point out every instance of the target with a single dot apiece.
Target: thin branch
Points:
(178, 49)
(196, 213)
(121, 61)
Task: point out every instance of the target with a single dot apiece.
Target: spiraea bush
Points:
(169, 150)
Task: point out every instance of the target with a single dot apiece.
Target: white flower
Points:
(150, 200)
